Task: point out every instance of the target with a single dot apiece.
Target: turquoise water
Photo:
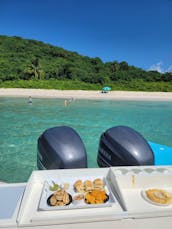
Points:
(21, 124)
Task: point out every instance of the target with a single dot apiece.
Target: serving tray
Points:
(46, 193)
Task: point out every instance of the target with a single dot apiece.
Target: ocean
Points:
(22, 123)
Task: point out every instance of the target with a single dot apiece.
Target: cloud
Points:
(169, 69)
(156, 67)
(159, 67)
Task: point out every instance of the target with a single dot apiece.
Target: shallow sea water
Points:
(21, 124)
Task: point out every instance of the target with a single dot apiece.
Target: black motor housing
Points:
(123, 146)
(61, 148)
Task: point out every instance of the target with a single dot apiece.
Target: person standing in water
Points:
(65, 102)
(30, 100)
(68, 101)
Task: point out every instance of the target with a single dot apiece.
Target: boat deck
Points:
(20, 203)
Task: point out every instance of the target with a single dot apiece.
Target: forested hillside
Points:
(23, 59)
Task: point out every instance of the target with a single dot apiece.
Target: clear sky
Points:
(136, 31)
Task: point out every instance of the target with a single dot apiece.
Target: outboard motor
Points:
(61, 148)
(123, 146)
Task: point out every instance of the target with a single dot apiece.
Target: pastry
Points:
(66, 198)
(53, 201)
(78, 197)
(59, 198)
(59, 194)
(98, 184)
(88, 185)
(79, 186)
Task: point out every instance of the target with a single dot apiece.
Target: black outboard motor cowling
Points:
(61, 148)
(123, 146)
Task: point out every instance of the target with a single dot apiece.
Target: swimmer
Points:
(65, 102)
(70, 100)
(30, 100)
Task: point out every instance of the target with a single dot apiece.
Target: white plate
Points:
(43, 205)
(143, 194)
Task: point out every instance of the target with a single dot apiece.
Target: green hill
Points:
(24, 59)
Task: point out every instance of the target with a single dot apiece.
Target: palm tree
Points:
(34, 70)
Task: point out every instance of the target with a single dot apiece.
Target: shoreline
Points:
(82, 94)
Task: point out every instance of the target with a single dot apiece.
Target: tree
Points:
(123, 65)
(167, 76)
(115, 66)
(34, 70)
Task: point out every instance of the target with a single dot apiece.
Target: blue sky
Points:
(138, 32)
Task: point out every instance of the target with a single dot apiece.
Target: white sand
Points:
(80, 94)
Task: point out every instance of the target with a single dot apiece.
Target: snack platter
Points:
(69, 189)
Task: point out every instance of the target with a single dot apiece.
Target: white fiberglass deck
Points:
(129, 210)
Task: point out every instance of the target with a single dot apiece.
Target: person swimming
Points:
(30, 100)
(65, 102)
(68, 101)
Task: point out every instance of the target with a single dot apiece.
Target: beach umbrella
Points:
(106, 88)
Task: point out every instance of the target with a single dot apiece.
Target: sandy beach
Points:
(81, 94)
